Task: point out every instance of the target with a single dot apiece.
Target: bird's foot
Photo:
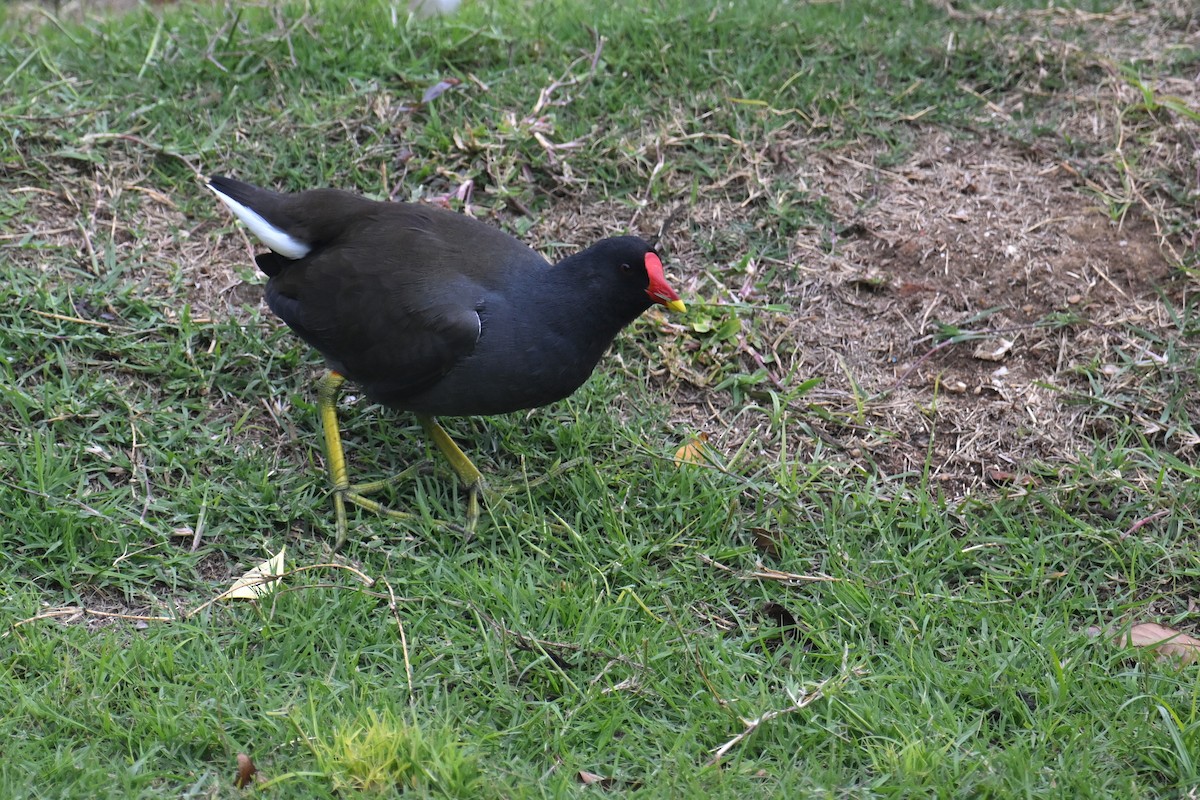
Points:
(471, 477)
(357, 494)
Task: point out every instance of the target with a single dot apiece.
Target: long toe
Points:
(339, 506)
(474, 501)
(351, 496)
(467, 472)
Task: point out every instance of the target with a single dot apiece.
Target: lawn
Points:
(887, 512)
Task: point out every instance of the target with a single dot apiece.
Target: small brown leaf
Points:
(767, 540)
(1166, 642)
(999, 476)
(245, 771)
(789, 629)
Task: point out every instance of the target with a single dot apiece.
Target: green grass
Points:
(618, 619)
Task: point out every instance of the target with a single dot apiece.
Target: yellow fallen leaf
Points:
(258, 582)
(694, 452)
(1166, 642)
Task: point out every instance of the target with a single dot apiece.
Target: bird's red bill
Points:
(659, 290)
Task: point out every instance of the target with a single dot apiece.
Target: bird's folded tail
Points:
(253, 206)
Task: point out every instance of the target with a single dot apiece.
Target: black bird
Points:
(437, 313)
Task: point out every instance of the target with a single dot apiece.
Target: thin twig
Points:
(70, 611)
(392, 606)
(1145, 521)
(753, 724)
(767, 574)
(64, 318)
(138, 140)
(43, 233)
(793, 578)
(567, 79)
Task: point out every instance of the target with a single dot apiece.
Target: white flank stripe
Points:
(279, 241)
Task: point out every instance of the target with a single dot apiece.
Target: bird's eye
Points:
(626, 268)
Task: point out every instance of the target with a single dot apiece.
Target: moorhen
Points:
(437, 313)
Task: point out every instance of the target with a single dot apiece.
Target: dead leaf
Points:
(431, 94)
(789, 629)
(245, 771)
(767, 540)
(438, 89)
(694, 452)
(907, 289)
(869, 280)
(1166, 642)
(591, 778)
(992, 349)
(258, 582)
(1000, 477)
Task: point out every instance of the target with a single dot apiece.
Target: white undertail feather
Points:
(279, 241)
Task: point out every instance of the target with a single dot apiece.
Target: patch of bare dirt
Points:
(986, 237)
(981, 237)
(1062, 260)
(1132, 31)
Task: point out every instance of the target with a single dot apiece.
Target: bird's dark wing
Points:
(393, 301)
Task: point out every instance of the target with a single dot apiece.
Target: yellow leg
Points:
(335, 457)
(346, 492)
(471, 477)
